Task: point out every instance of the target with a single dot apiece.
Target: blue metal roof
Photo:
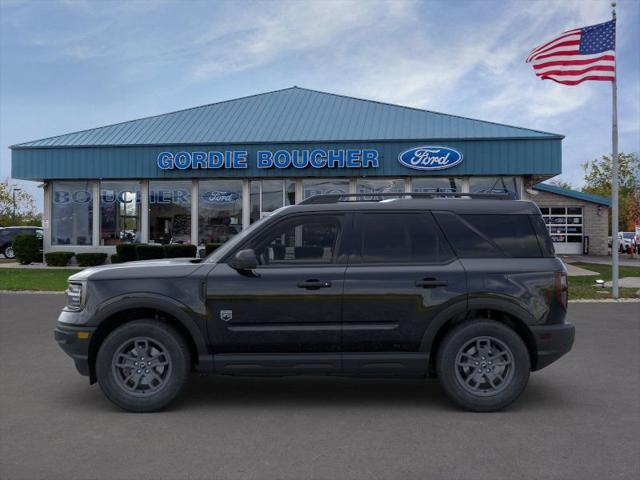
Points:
(289, 116)
(565, 192)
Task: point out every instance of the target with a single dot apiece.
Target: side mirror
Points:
(245, 260)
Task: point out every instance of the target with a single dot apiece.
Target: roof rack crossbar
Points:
(377, 197)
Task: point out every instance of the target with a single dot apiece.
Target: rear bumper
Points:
(74, 341)
(552, 342)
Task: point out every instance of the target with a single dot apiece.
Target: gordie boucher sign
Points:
(417, 158)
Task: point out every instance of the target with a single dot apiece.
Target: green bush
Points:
(149, 252)
(127, 252)
(27, 248)
(90, 259)
(115, 258)
(177, 250)
(58, 259)
(210, 247)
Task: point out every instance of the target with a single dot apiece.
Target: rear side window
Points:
(400, 238)
(490, 235)
(544, 240)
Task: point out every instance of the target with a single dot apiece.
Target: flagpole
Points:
(614, 177)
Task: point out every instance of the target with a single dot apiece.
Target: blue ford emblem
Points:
(220, 197)
(430, 158)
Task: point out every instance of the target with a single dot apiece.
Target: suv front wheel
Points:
(143, 365)
(8, 252)
(483, 365)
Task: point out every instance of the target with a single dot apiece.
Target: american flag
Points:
(587, 53)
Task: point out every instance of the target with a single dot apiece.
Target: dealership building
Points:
(203, 174)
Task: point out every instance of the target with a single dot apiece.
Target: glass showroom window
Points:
(219, 210)
(269, 195)
(380, 185)
(504, 185)
(119, 212)
(71, 213)
(326, 186)
(436, 185)
(170, 212)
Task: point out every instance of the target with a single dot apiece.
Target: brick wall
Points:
(595, 226)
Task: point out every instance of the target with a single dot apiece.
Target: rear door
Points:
(401, 273)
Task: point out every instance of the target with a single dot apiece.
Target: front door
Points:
(401, 273)
(291, 304)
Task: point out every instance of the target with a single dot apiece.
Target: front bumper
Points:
(74, 340)
(552, 342)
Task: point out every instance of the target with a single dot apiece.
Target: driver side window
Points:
(302, 240)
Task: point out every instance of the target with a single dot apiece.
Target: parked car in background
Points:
(7, 234)
(625, 241)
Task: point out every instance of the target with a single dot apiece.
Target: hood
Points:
(166, 268)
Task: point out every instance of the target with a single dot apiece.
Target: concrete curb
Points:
(31, 292)
(605, 300)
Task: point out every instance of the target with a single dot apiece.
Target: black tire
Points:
(475, 346)
(8, 251)
(121, 356)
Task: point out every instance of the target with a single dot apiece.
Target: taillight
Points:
(562, 289)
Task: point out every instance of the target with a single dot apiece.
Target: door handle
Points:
(314, 284)
(431, 283)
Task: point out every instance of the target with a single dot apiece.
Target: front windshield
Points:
(221, 251)
(628, 234)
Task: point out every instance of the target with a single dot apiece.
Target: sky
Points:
(72, 65)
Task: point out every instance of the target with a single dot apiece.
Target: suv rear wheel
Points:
(483, 365)
(143, 365)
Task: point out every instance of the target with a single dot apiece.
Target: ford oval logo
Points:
(220, 197)
(430, 158)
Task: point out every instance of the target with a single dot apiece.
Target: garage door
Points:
(565, 228)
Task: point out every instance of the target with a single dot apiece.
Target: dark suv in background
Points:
(465, 289)
(7, 234)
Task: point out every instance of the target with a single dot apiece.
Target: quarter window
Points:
(490, 235)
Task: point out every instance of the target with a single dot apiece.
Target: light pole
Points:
(14, 203)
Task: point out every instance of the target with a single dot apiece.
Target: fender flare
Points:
(477, 303)
(152, 301)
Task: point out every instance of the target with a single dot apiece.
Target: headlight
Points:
(74, 296)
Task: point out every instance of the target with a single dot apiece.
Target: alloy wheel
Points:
(484, 366)
(141, 366)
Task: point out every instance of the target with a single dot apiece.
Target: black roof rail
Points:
(377, 197)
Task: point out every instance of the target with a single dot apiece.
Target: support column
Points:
(465, 185)
(194, 212)
(144, 211)
(95, 237)
(46, 216)
(408, 185)
(246, 203)
(352, 185)
(299, 190)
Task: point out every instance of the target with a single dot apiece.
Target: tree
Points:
(558, 182)
(25, 207)
(597, 180)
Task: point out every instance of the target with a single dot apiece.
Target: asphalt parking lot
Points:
(579, 418)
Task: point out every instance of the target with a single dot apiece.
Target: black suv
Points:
(7, 234)
(465, 289)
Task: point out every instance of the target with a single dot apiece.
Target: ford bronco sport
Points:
(466, 289)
